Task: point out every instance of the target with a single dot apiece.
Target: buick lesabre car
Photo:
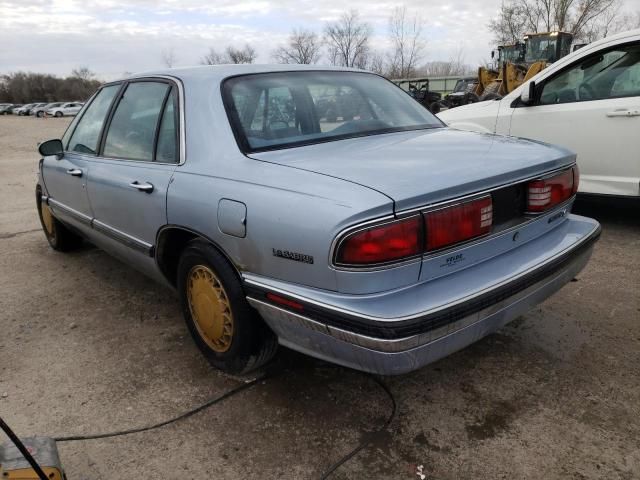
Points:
(381, 241)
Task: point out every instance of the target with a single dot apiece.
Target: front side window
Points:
(86, 134)
(281, 110)
(132, 131)
(612, 74)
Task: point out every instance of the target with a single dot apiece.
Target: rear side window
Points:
(87, 133)
(132, 131)
(167, 147)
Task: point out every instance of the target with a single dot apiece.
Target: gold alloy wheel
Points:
(47, 220)
(210, 308)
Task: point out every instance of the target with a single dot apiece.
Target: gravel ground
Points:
(89, 345)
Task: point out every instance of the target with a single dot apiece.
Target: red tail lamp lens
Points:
(549, 192)
(382, 243)
(458, 223)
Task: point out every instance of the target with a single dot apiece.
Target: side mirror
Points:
(51, 147)
(528, 94)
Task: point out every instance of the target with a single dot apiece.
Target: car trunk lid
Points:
(420, 168)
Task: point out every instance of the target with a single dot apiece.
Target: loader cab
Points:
(509, 53)
(547, 47)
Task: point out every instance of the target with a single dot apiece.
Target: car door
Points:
(65, 178)
(75, 108)
(129, 180)
(593, 108)
(70, 109)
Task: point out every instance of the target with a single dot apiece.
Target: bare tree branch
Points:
(408, 44)
(168, 57)
(585, 19)
(348, 40)
(231, 55)
(303, 47)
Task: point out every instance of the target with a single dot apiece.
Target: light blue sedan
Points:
(322, 209)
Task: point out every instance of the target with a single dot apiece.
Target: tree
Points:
(168, 57)
(231, 55)
(408, 44)
(22, 87)
(377, 64)
(517, 17)
(303, 47)
(241, 55)
(82, 73)
(213, 58)
(610, 22)
(510, 25)
(348, 40)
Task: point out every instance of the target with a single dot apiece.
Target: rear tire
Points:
(60, 238)
(227, 330)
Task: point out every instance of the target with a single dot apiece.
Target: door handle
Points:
(75, 172)
(143, 187)
(624, 112)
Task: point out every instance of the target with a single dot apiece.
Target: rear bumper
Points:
(346, 329)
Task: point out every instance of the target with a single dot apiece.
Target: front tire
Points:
(40, 114)
(230, 334)
(58, 114)
(60, 238)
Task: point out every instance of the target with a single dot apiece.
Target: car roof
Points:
(220, 72)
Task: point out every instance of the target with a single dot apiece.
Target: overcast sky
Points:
(116, 36)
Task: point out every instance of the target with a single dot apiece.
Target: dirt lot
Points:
(88, 345)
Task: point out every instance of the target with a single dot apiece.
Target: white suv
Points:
(589, 102)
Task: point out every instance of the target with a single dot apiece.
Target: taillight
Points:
(382, 243)
(458, 223)
(548, 192)
(413, 236)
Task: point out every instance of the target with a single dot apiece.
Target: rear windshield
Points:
(279, 110)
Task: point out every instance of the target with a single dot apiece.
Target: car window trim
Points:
(103, 135)
(540, 87)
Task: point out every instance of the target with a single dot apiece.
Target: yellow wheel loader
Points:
(519, 62)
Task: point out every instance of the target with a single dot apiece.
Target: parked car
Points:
(22, 109)
(42, 109)
(66, 109)
(32, 109)
(589, 101)
(5, 108)
(383, 241)
(15, 107)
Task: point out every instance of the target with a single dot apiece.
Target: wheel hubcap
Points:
(210, 308)
(47, 219)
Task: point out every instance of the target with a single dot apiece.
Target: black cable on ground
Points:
(327, 473)
(187, 414)
(363, 444)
